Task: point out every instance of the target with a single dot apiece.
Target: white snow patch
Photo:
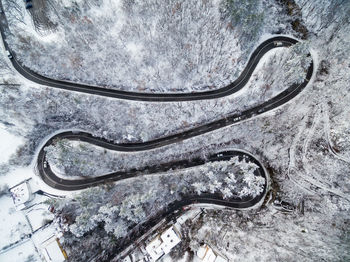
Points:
(21, 253)
(16, 176)
(8, 144)
(14, 224)
(135, 51)
(37, 215)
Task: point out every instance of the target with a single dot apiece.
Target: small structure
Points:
(206, 254)
(52, 250)
(163, 244)
(154, 248)
(21, 194)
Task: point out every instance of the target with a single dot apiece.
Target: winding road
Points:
(50, 178)
(238, 84)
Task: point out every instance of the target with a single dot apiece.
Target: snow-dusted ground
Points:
(37, 215)
(15, 243)
(9, 144)
(14, 224)
(23, 252)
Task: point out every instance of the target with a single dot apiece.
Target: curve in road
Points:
(50, 178)
(174, 209)
(59, 183)
(238, 84)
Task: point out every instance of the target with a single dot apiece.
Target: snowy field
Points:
(16, 244)
(14, 227)
(16, 224)
(9, 144)
(25, 252)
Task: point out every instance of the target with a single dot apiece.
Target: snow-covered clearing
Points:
(22, 252)
(8, 144)
(16, 244)
(15, 221)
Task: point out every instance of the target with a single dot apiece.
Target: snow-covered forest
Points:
(152, 46)
(118, 208)
(305, 144)
(67, 110)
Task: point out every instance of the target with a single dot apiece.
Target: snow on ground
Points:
(321, 233)
(21, 253)
(14, 224)
(15, 227)
(38, 215)
(8, 144)
(16, 176)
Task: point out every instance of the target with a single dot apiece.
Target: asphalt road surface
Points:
(239, 83)
(50, 178)
(64, 184)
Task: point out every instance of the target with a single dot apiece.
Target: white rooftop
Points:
(52, 251)
(170, 239)
(20, 193)
(20, 252)
(220, 259)
(206, 254)
(154, 248)
(127, 259)
(163, 243)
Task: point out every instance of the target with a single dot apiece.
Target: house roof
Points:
(52, 251)
(20, 193)
(154, 248)
(163, 243)
(170, 239)
(220, 259)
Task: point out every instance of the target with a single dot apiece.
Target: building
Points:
(52, 250)
(21, 194)
(206, 254)
(163, 243)
(154, 248)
